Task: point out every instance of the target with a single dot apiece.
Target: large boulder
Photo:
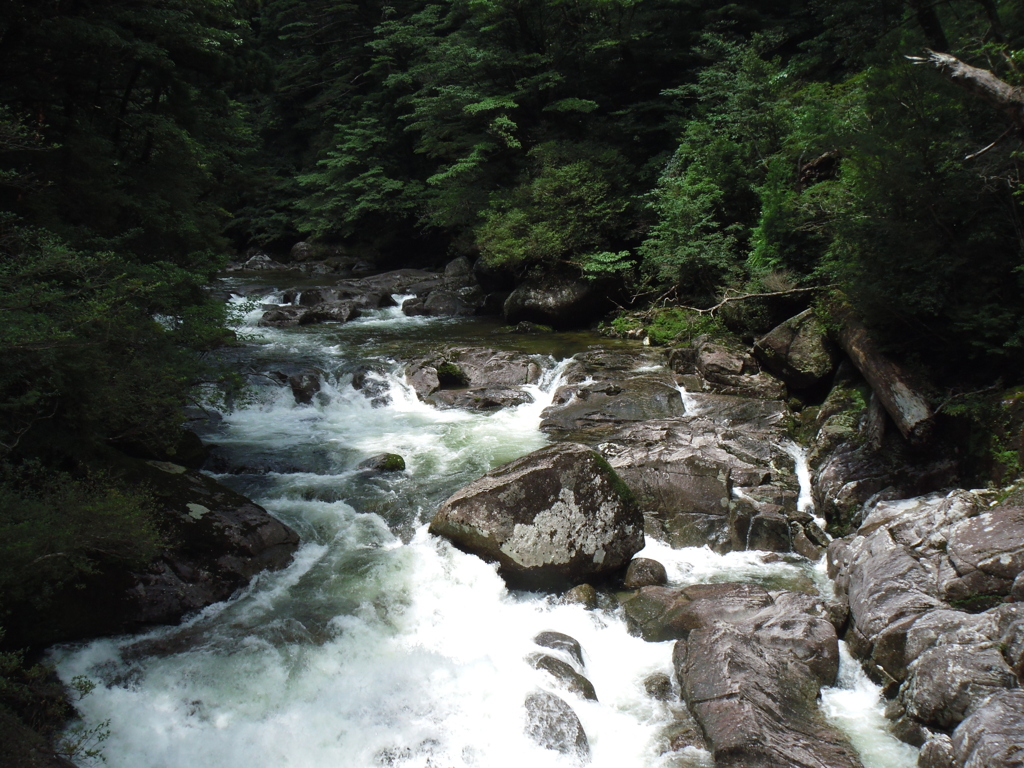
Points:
(993, 735)
(752, 677)
(560, 303)
(554, 518)
(798, 351)
(216, 541)
(471, 368)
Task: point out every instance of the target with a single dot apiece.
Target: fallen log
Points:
(891, 384)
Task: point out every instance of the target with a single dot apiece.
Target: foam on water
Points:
(855, 705)
(381, 645)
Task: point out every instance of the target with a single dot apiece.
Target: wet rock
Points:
(659, 686)
(946, 682)
(557, 641)
(581, 594)
(283, 316)
(644, 572)
(301, 251)
(552, 724)
(568, 677)
(993, 735)
(440, 303)
(664, 613)
(752, 682)
(937, 752)
(554, 518)
(304, 386)
(560, 303)
(374, 385)
(607, 403)
(216, 539)
(471, 368)
(769, 532)
(384, 462)
(798, 352)
(330, 312)
(479, 399)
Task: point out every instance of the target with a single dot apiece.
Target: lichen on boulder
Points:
(554, 518)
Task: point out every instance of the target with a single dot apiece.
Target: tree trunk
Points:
(1004, 97)
(890, 383)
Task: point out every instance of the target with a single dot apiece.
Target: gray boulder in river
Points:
(554, 518)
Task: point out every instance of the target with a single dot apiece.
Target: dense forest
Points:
(692, 151)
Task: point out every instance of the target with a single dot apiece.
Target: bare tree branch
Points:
(744, 296)
(1004, 97)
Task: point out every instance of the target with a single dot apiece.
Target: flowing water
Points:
(382, 645)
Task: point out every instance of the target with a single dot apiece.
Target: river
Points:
(382, 645)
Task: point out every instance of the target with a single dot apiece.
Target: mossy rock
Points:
(384, 462)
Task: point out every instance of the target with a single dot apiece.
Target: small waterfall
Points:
(855, 705)
(805, 501)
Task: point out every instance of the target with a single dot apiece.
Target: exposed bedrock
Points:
(554, 518)
(474, 378)
(216, 541)
(750, 665)
(926, 580)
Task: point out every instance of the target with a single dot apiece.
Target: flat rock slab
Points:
(554, 518)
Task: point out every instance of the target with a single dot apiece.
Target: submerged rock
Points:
(553, 518)
(384, 462)
(552, 724)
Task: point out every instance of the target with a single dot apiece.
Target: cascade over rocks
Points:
(551, 519)
(919, 575)
(453, 294)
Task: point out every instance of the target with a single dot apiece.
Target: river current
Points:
(381, 645)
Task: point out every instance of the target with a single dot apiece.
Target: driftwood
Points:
(892, 385)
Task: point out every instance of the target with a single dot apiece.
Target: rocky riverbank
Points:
(779, 447)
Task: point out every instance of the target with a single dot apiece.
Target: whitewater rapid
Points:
(381, 645)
